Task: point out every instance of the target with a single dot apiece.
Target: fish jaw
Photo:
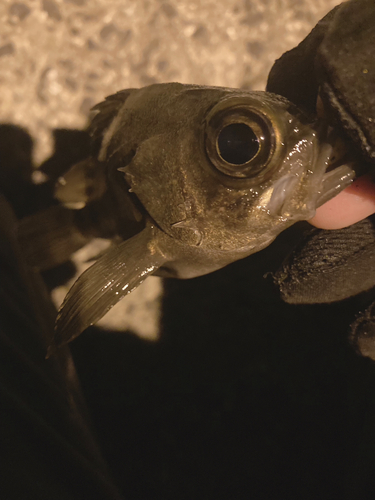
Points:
(319, 185)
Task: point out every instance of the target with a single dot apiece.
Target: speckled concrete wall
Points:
(59, 57)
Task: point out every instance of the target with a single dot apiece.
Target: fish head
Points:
(220, 171)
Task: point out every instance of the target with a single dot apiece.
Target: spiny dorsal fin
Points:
(107, 111)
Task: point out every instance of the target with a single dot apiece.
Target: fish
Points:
(186, 179)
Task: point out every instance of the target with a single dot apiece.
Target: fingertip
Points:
(353, 204)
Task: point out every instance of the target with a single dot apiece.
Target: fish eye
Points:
(237, 143)
(240, 140)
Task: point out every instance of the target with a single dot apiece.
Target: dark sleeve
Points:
(46, 444)
(293, 75)
(328, 266)
(346, 65)
(337, 59)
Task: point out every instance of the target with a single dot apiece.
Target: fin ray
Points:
(105, 283)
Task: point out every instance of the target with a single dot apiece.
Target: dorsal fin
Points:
(107, 111)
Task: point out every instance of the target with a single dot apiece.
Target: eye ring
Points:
(250, 118)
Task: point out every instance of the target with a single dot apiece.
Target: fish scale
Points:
(173, 180)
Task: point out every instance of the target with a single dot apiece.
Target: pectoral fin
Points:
(105, 283)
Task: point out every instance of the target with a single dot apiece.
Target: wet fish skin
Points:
(168, 163)
(171, 174)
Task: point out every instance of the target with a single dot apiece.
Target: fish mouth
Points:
(342, 168)
(333, 170)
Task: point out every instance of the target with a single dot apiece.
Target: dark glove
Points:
(337, 62)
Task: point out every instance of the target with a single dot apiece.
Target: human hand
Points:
(337, 63)
(331, 75)
(351, 205)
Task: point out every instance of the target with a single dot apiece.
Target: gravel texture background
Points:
(60, 57)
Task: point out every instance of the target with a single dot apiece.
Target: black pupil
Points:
(237, 143)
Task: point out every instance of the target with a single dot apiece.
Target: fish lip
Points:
(342, 165)
(328, 175)
(282, 191)
(334, 181)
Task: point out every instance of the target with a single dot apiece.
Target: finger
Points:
(352, 205)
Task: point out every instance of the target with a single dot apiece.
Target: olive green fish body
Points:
(211, 174)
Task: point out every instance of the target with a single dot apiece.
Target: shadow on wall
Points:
(16, 166)
(16, 173)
